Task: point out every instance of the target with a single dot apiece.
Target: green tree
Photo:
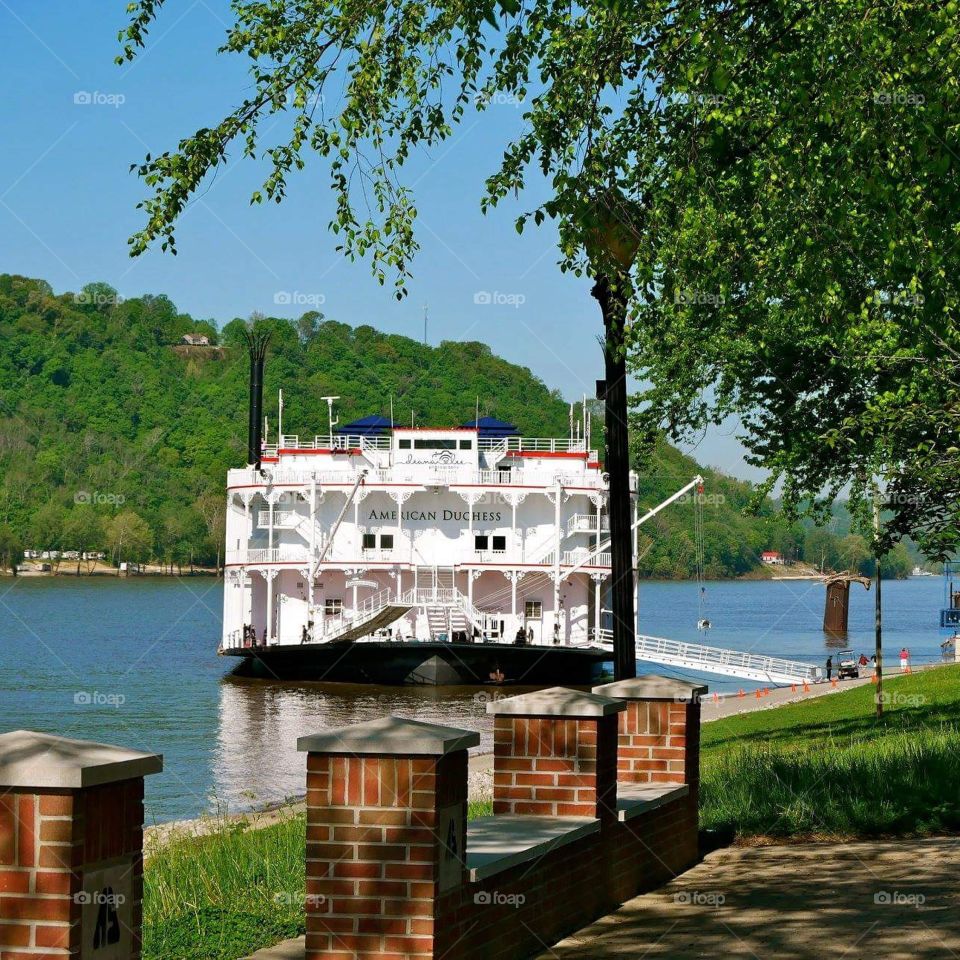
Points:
(82, 531)
(11, 548)
(128, 536)
(820, 550)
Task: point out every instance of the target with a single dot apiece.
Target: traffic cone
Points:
(741, 694)
(716, 698)
(759, 694)
(793, 688)
(873, 677)
(806, 687)
(833, 683)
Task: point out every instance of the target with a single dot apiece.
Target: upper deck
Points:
(426, 457)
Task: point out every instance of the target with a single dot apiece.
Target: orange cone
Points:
(833, 683)
(806, 687)
(741, 693)
(758, 694)
(716, 698)
(793, 688)
(873, 677)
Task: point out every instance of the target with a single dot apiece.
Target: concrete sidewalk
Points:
(895, 900)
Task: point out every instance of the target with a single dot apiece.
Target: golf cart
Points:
(848, 667)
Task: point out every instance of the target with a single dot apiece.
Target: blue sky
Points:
(68, 203)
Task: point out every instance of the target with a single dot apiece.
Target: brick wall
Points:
(547, 766)
(522, 911)
(659, 742)
(373, 852)
(49, 841)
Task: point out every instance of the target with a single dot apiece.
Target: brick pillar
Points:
(386, 831)
(555, 754)
(659, 732)
(71, 847)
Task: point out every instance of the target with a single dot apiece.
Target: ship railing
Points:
(337, 441)
(585, 523)
(282, 519)
(285, 554)
(572, 558)
(489, 556)
(533, 444)
(430, 596)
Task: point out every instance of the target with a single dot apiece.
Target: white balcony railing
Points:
(571, 558)
(585, 523)
(284, 554)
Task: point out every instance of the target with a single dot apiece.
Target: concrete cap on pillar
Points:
(390, 735)
(652, 687)
(557, 702)
(31, 759)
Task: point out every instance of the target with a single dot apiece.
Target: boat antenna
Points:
(330, 417)
(257, 342)
(280, 416)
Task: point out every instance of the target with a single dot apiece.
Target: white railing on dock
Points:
(731, 663)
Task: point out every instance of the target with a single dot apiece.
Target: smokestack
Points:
(257, 345)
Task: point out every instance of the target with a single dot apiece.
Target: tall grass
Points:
(223, 895)
(905, 783)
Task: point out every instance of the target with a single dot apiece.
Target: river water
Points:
(133, 662)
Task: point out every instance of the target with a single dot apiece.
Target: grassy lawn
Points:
(826, 769)
(221, 896)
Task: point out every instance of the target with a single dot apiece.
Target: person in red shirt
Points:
(904, 659)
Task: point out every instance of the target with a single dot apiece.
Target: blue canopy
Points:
(367, 426)
(491, 427)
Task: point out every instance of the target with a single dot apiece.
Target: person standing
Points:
(829, 667)
(904, 660)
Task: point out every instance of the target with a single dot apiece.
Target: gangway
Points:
(374, 614)
(731, 663)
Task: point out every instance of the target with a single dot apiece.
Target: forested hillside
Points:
(115, 437)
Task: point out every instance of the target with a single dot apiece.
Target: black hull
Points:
(427, 664)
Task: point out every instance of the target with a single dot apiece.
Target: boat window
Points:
(333, 606)
(499, 543)
(481, 542)
(369, 541)
(533, 609)
(403, 444)
(386, 541)
(466, 444)
(434, 443)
